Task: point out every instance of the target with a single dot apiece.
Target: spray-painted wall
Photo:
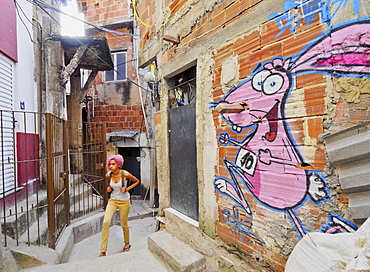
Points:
(291, 71)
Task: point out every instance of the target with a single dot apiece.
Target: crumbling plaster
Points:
(207, 157)
(55, 95)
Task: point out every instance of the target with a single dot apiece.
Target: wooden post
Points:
(66, 172)
(50, 180)
(104, 147)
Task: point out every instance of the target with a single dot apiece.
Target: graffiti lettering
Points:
(242, 227)
(286, 20)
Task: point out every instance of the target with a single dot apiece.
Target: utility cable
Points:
(20, 18)
(137, 15)
(42, 4)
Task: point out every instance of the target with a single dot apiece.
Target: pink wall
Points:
(28, 157)
(8, 29)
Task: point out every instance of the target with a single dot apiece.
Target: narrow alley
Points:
(243, 124)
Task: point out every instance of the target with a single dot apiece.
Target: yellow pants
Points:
(124, 209)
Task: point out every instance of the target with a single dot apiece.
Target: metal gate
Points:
(87, 151)
(75, 153)
(59, 176)
(183, 162)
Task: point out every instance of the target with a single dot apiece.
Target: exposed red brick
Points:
(222, 54)
(216, 82)
(216, 21)
(315, 127)
(314, 100)
(268, 52)
(176, 5)
(247, 64)
(247, 44)
(309, 80)
(295, 43)
(269, 31)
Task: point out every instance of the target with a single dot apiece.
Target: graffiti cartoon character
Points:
(268, 163)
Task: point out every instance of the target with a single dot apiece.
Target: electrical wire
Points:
(44, 5)
(20, 18)
(25, 15)
(137, 15)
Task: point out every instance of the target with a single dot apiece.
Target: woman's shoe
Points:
(126, 248)
(102, 254)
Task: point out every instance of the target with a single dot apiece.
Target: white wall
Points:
(24, 84)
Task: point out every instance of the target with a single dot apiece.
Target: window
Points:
(184, 91)
(120, 68)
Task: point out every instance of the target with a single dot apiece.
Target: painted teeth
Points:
(237, 128)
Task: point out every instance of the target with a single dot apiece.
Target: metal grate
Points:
(58, 176)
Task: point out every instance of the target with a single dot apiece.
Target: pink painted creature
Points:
(268, 163)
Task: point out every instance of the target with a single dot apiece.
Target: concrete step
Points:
(39, 229)
(18, 223)
(174, 254)
(83, 253)
(86, 205)
(82, 200)
(139, 260)
(25, 256)
(78, 192)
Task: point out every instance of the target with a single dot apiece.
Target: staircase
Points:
(174, 254)
(30, 225)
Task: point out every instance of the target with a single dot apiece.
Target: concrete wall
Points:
(266, 182)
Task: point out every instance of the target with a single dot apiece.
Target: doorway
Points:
(132, 164)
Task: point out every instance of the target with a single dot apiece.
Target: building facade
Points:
(19, 95)
(248, 91)
(117, 97)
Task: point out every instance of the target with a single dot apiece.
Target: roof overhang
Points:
(116, 136)
(96, 57)
(126, 23)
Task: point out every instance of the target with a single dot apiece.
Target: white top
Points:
(116, 193)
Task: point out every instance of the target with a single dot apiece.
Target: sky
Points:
(70, 26)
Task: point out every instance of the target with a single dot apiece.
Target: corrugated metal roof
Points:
(122, 134)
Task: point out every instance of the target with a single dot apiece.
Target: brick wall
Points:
(118, 117)
(273, 182)
(306, 113)
(105, 11)
(115, 103)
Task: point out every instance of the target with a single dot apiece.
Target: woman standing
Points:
(119, 199)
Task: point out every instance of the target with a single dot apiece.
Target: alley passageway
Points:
(84, 256)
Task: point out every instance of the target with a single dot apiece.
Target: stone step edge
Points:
(175, 254)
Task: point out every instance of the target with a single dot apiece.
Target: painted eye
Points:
(273, 84)
(259, 78)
